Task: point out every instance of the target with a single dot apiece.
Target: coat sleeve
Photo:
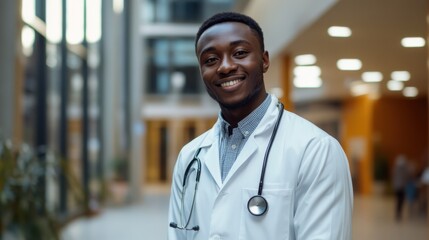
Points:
(324, 195)
(175, 204)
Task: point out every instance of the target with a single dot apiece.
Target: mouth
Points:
(231, 83)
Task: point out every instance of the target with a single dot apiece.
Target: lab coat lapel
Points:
(210, 158)
(254, 141)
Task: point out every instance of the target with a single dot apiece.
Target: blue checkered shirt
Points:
(230, 145)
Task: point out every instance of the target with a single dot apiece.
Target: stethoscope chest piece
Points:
(257, 205)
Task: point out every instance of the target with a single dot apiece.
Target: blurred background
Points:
(97, 97)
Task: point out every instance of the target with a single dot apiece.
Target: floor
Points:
(373, 219)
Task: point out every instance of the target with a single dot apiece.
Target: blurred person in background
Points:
(400, 180)
(424, 190)
(411, 189)
(261, 172)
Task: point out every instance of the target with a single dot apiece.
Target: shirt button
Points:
(234, 146)
(246, 133)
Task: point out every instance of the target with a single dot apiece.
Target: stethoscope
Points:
(257, 205)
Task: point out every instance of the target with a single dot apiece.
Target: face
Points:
(232, 65)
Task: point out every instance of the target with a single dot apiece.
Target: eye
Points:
(241, 53)
(210, 60)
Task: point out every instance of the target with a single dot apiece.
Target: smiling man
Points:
(261, 172)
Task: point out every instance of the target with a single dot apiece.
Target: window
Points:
(173, 67)
(182, 11)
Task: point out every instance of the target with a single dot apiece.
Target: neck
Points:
(234, 115)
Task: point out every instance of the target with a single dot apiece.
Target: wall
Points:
(400, 125)
(389, 126)
(356, 141)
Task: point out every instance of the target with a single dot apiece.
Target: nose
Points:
(226, 66)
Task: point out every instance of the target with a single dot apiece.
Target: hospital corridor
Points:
(373, 219)
(100, 101)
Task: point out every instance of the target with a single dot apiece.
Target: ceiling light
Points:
(349, 64)
(338, 31)
(307, 71)
(400, 75)
(311, 82)
(393, 85)
(305, 59)
(410, 92)
(359, 88)
(372, 76)
(413, 42)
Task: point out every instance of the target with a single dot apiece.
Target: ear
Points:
(266, 61)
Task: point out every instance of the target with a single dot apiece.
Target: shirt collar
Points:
(248, 124)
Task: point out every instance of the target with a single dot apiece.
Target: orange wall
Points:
(396, 125)
(356, 139)
(401, 126)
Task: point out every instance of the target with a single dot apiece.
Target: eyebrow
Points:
(233, 43)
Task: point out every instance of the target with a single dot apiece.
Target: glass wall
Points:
(182, 11)
(61, 46)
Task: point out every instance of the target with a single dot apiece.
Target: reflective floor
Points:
(373, 219)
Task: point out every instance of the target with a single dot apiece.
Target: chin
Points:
(236, 104)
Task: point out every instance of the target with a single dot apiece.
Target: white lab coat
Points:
(307, 186)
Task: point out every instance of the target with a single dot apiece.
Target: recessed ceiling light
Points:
(310, 82)
(372, 76)
(393, 85)
(307, 71)
(305, 59)
(349, 64)
(359, 88)
(410, 92)
(339, 31)
(400, 75)
(413, 42)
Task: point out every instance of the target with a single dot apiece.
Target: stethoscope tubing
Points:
(258, 198)
(267, 151)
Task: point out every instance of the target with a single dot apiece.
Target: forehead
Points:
(226, 33)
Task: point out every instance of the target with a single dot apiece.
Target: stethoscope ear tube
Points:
(195, 159)
(258, 205)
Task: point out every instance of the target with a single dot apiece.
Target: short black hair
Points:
(231, 17)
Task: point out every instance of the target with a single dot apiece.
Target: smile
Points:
(230, 83)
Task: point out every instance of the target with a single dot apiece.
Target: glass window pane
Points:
(183, 53)
(168, 57)
(162, 82)
(160, 53)
(186, 11)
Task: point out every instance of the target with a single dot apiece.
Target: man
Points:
(261, 172)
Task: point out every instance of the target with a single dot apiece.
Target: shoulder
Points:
(314, 145)
(202, 140)
(301, 128)
(196, 142)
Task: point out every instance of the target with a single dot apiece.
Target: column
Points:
(285, 83)
(10, 70)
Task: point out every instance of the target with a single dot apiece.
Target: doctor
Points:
(261, 172)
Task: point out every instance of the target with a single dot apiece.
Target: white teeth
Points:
(230, 83)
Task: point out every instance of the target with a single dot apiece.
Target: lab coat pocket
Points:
(274, 224)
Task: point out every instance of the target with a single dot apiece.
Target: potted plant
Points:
(22, 211)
